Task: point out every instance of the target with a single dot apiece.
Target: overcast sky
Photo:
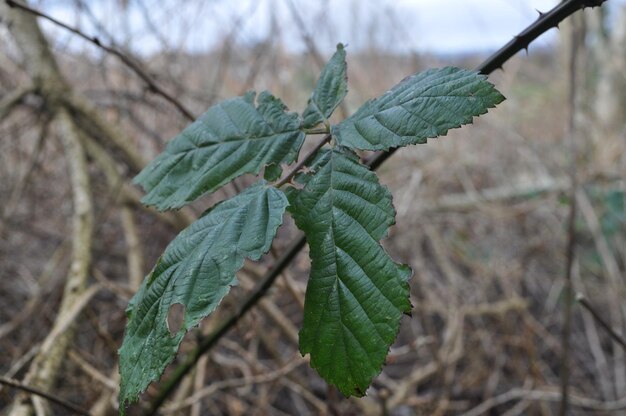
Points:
(435, 26)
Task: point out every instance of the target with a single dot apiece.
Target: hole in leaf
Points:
(175, 318)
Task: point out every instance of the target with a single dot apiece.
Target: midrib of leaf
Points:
(374, 241)
(356, 312)
(450, 78)
(404, 116)
(330, 89)
(317, 109)
(232, 138)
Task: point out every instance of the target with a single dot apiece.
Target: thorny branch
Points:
(521, 41)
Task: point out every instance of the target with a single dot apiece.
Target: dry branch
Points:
(240, 382)
(20, 386)
(45, 367)
(616, 337)
(9, 101)
(546, 396)
(131, 63)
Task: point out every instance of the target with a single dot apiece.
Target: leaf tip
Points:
(249, 96)
(359, 392)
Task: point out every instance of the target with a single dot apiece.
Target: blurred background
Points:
(482, 213)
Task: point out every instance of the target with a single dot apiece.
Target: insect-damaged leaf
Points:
(232, 138)
(356, 293)
(330, 90)
(422, 106)
(196, 270)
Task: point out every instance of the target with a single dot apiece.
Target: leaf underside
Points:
(425, 105)
(196, 270)
(231, 139)
(330, 90)
(356, 293)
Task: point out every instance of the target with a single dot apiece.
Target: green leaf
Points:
(331, 88)
(232, 138)
(196, 270)
(422, 106)
(356, 294)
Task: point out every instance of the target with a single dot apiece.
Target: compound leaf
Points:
(330, 90)
(232, 138)
(422, 106)
(196, 270)
(356, 293)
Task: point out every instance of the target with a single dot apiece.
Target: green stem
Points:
(303, 162)
(325, 130)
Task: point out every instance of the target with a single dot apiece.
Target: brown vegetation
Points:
(482, 219)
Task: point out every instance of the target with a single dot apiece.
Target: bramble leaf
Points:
(330, 90)
(356, 293)
(232, 138)
(422, 106)
(196, 270)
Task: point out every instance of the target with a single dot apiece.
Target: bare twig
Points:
(238, 382)
(93, 124)
(19, 386)
(134, 257)
(568, 290)
(603, 376)
(93, 372)
(128, 194)
(23, 182)
(44, 369)
(34, 302)
(9, 101)
(69, 317)
(613, 274)
(617, 337)
(547, 396)
(306, 36)
(135, 67)
(275, 314)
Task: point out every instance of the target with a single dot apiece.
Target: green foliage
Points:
(356, 293)
(232, 138)
(330, 90)
(197, 270)
(422, 106)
